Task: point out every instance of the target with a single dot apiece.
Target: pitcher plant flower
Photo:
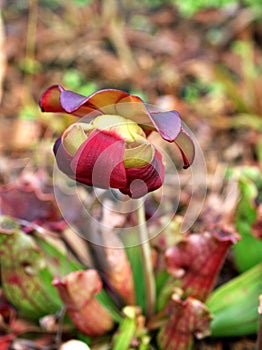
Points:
(109, 148)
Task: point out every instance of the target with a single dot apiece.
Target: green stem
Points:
(147, 261)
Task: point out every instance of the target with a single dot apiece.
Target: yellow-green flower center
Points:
(138, 151)
(124, 127)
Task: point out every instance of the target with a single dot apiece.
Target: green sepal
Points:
(234, 305)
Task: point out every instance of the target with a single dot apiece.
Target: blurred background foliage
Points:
(203, 59)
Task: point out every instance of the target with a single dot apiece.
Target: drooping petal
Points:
(111, 101)
(99, 161)
(78, 291)
(76, 104)
(186, 147)
(106, 100)
(50, 99)
(145, 179)
(133, 107)
(57, 99)
(168, 124)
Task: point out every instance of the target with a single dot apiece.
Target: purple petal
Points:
(168, 124)
(111, 101)
(103, 101)
(76, 104)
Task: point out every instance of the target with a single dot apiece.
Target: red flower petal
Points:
(99, 161)
(50, 99)
(145, 179)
